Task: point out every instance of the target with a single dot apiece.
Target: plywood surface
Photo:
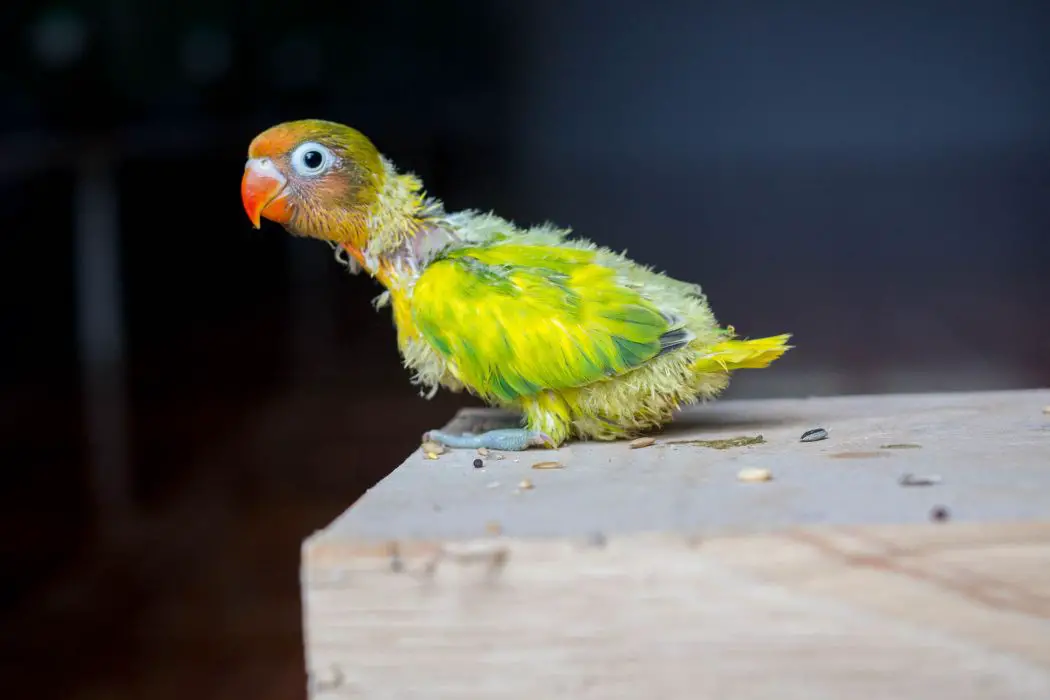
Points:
(953, 611)
(990, 451)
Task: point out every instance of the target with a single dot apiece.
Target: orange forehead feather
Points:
(272, 142)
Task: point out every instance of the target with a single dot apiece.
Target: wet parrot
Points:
(581, 341)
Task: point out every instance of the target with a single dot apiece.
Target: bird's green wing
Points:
(513, 319)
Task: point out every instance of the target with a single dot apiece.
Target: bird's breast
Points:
(402, 312)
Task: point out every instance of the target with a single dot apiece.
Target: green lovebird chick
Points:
(582, 341)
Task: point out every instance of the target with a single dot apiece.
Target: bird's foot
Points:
(509, 439)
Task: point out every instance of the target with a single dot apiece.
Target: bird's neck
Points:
(401, 231)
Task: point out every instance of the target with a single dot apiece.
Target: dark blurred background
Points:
(185, 398)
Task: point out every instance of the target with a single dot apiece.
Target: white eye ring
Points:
(310, 159)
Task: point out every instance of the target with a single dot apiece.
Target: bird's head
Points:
(315, 178)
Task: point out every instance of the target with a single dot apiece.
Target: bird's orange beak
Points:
(263, 192)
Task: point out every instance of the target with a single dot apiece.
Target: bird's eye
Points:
(311, 159)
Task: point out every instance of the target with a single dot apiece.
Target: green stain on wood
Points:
(722, 444)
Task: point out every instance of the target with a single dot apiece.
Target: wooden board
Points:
(654, 573)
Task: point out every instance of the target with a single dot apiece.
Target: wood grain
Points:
(938, 611)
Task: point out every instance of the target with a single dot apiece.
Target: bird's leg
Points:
(507, 439)
(546, 424)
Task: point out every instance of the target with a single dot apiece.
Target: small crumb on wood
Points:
(483, 452)
(641, 442)
(901, 446)
(814, 435)
(939, 514)
(752, 474)
(430, 455)
(1046, 410)
(548, 465)
(433, 448)
(723, 444)
(493, 528)
(525, 485)
(915, 480)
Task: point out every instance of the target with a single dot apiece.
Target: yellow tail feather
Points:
(730, 355)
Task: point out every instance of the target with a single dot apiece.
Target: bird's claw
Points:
(538, 439)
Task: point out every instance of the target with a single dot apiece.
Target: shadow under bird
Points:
(582, 341)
